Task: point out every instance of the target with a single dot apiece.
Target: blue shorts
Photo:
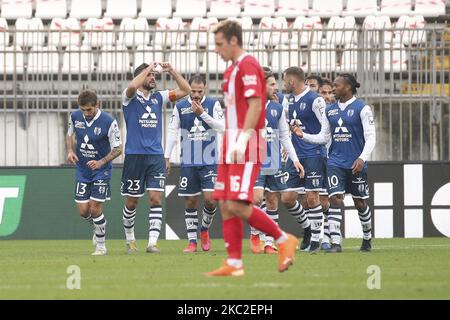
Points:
(141, 173)
(97, 190)
(194, 180)
(341, 181)
(272, 183)
(314, 175)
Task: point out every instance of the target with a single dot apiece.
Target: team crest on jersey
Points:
(97, 131)
(350, 112)
(302, 106)
(141, 100)
(274, 113)
(154, 101)
(79, 124)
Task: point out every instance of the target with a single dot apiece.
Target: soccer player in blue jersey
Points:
(97, 144)
(144, 166)
(272, 178)
(349, 125)
(305, 109)
(198, 118)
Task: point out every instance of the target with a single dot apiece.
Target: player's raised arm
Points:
(183, 86)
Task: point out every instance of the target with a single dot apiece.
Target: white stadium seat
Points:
(286, 56)
(152, 9)
(13, 9)
(185, 59)
(4, 34)
(340, 37)
(272, 36)
(84, 9)
(430, 8)
(326, 8)
(118, 9)
(198, 34)
(190, 9)
(307, 31)
(43, 60)
(372, 26)
(395, 8)
(292, 8)
(64, 32)
(225, 8)
(99, 32)
(11, 60)
(27, 34)
(213, 63)
(114, 60)
(395, 59)
(360, 9)
(169, 32)
(134, 32)
(147, 54)
(78, 60)
(49, 9)
(349, 59)
(409, 30)
(321, 59)
(258, 8)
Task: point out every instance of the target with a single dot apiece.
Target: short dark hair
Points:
(230, 28)
(315, 77)
(267, 73)
(296, 72)
(87, 97)
(139, 69)
(326, 82)
(197, 78)
(351, 80)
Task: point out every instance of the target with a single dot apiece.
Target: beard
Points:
(149, 87)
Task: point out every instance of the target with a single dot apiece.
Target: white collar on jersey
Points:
(201, 102)
(139, 92)
(93, 119)
(343, 105)
(241, 57)
(297, 97)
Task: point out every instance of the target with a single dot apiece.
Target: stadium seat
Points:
(395, 8)
(169, 32)
(134, 32)
(118, 9)
(27, 34)
(4, 34)
(349, 59)
(64, 32)
(49, 9)
(225, 8)
(306, 31)
(395, 59)
(286, 56)
(360, 9)
(43, 60)
(339, 37)
(12, 9)
(190, 8)
(114, 60)
(78, 9)
(430, 8)
(372, 26)
(409, 30)
(99, 32)
(147, 54)
(200, 29)
(292, 8)
(185, 59)
(258, 8)
(11, 60)
(273, 36)
(78, 60)
(326, 8)
(213, 64)
(152, 9)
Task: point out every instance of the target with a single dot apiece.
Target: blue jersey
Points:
(305, 110)
(95, 139)
(274, 112)
(199, 140)
(143, 118)
(347, 134)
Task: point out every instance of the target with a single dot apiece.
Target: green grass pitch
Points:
(409, 268)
